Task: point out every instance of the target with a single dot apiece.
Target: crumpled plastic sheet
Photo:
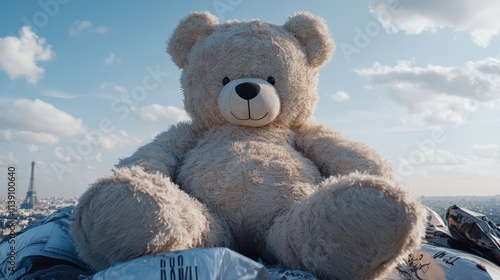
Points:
(203, 263)
(477, 233)
(438, 257)
(431, 262)
(45, 251)
(191, 264)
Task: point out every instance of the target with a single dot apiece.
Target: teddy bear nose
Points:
(247, 90)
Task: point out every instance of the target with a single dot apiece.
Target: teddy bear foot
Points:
(135, 213)
(353, 227)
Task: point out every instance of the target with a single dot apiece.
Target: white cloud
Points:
(38, 137)
(489, 66)
(98, 157)
(19, 55)
(339, 96)
(488, 151)
(79, 26)
(60, 154)
(116, 87)
(104, 85)
(57, 94)
(112, 58)
(38, 121)
(8, 160)
(159, 113)
(480, 19)
(69, 155)
(33, 148)
(436, 94)
(424, 159)
(5, 135)
(100, 29)
(440, 110)
(120, 89)
(442, 157)
(112, 141)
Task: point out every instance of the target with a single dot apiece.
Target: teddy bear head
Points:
(250, 73)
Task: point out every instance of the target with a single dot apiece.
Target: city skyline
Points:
(417, 81)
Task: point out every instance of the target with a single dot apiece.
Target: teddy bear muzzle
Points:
(249, 102)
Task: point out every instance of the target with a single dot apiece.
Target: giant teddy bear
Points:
(251, 170)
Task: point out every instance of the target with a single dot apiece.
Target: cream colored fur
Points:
(292, 192)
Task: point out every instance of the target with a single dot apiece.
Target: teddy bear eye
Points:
(225, 81)
(270, 80)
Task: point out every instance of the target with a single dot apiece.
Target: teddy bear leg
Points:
(353, 227)
(135, 213)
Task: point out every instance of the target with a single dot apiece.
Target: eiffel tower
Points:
(31, 199)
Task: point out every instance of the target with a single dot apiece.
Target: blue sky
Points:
(83, 83)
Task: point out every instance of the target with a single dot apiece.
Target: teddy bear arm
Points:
(336, 155)
(165, 153)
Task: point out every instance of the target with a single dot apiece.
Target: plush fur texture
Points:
(291, 191)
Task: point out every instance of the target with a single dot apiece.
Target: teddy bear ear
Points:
(312, 33)
(187, 32)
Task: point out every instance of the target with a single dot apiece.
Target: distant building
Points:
(31, 199)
